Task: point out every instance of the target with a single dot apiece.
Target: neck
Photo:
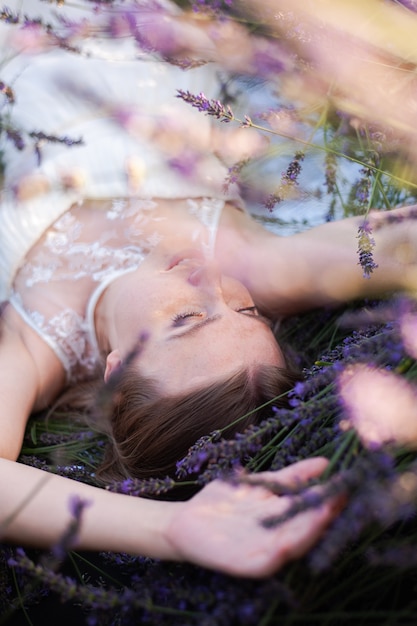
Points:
(102, 322)
(102, 312)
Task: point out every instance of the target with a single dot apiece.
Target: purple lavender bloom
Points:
(366, 245)
(148, 487)
(210, 107)
(7, 16)
(330, 173)
(233, 175)
(76, 506)
(16, 138)
(294, 169)
(69, 538)
(271, 200)
(7, 91)
(68, 141)
(289, 180)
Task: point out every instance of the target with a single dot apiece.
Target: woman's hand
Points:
(221, 527)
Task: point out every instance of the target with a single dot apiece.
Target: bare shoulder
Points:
(28, 380)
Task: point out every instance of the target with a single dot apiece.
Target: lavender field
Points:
(316, 121)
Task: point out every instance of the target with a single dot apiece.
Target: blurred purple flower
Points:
(381, 406)
(408, 4)
(69, 538)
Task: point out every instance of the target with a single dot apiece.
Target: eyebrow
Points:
(208, 320)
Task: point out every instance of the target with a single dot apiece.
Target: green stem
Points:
(248, 123)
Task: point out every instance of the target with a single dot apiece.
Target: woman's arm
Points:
(219, 528)
(18, 390)
(318, 267)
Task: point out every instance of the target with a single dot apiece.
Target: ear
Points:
(113, 362)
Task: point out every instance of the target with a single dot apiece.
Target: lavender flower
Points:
(43, 137)
(7, 91)
(289, 181)
(294, 169)
(14, 135)
(68, 141)
(360, 192)
(272, 200)
(69, 538)
(210, 107)
(375, 496)
(7, 16)
(149, 487)
(330, 173)
(233, 175)
(366, 245)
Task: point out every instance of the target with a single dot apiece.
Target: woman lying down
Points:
(165, 288)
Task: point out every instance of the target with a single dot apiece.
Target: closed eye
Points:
(179, 318)
(192, 329)
(252, 311)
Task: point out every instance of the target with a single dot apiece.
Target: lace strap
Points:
(27, 317)
(216, 207)
(93, 300)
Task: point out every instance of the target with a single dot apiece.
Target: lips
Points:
(184, 257)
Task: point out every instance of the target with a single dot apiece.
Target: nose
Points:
(206, 276)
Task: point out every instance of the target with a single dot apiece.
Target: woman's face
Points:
(196, 325)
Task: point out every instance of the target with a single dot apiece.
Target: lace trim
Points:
(67, 334)
(92, 303)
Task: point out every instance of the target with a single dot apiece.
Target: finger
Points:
(296, 537)
(285, 543)
(292, 475)
(303, 531)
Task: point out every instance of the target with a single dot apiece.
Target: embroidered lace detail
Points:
(64, 257)
(67, 334)
(206, 210)
(120, 208)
